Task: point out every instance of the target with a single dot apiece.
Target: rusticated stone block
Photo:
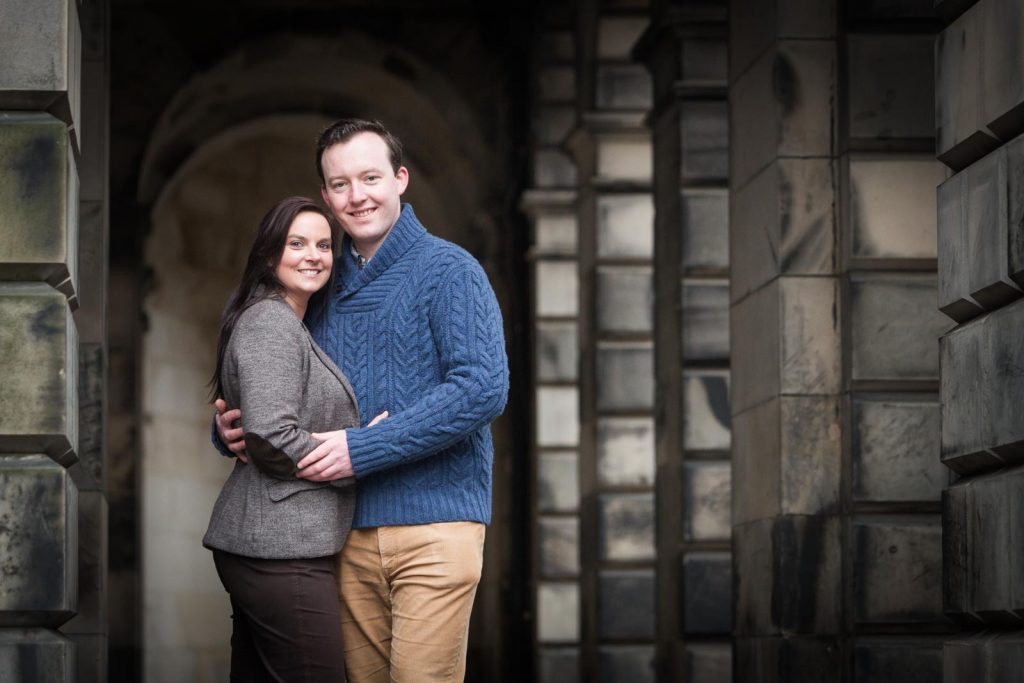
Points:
(892, 86)
(633, 663)
(979, 87)
(787, 575)
(753, 26)
(89, 471)
(788, 659)
(953, 250)
(706, 501)
(982, 389)
(783, 223)
(623, 86)
(897, 570)
(626, 606)
(895, 327)
(92, 658)
(93, 535)
(897, 660)
(992, 657)
(982, 555)
(40, 48)
(39, 364)
(894, 449)
(34, 655)
(38, 542)
(782, 107)
(38, 201)
(705, 320)
(704, 134)
(558, 665)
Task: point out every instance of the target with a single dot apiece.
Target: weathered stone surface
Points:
(782, 107)
(93, 534)
(38, 201)
(625, 226)
(557, 288)
(707, 593)
(985, 230)
(623, 86)
(755, 26)
(38, 542)
(754, 327)
(705, 320)
(28, 655)
(633, 663)
(792, 659)
(552, 123)
(897, 570)
(626, 607)
(982, 386)
(707, 501)
(552, 168)
(705, 62)
(625, 298)
(93, 269)
(892, 207)
(953, 249)
(39, 352)
(626, 522)
(783, 223)
(559, 665)
(624, 157)
(557, 83)
(979, 88)
(558, 414)
(559, 547)
(786, 458)
(894, 327)
(616, 35)
(705, 228)
(704, 133)
(558, 608)
(92, 658)
(894, 450)
(897, 660)
(557, 351)
(625, 451)
(983, 558)
(706, 404)
(555, 233)
(558, 482)
(891, 82)
(887, 10)
(40, 48)
(990, 656)
(788, 574)
(89, 472)
(708, 663)
(625, 376)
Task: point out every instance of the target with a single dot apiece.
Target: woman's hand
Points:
(229, 435)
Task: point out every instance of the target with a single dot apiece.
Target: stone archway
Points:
(233, 141)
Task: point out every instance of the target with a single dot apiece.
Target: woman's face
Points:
(306, 260)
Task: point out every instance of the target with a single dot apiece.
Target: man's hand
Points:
(230, 436)
(330, 460)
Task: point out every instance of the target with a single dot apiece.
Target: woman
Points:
(274, 536)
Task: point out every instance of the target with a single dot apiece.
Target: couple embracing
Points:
(347, 543)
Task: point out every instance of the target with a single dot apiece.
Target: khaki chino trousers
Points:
(407, 593)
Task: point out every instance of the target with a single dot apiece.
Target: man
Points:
(415, 325)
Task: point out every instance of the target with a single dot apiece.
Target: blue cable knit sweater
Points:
(419, 334)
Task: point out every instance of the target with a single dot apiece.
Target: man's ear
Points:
(402, 176)
(323, 194)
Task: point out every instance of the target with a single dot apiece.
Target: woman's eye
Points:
(325, 245)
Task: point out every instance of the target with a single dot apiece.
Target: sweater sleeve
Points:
(467, 331)
(272, 365)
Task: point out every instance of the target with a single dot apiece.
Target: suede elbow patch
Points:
(270, 460)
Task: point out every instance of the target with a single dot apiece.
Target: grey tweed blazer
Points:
(287, 387)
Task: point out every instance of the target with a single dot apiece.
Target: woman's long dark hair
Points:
(259, 281)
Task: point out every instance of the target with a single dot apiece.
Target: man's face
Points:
(362, 189)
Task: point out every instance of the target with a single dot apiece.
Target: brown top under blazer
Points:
(287, 387)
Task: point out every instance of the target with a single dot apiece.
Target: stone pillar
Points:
(89, 628)
(39, 287)
(980, 121)
(686, 51)
(835, 525)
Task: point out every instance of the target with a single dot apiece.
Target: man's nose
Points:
(358, 194)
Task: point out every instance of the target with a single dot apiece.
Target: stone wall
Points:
(980, 119)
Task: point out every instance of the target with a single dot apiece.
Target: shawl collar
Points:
(406, 231)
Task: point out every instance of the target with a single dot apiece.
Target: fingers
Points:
(383, 416)
(243, 457)
(314, 456)
(221, 405)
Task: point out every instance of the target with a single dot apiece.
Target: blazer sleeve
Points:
(467, 330)
(271, 357)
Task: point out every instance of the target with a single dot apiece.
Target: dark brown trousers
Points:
(287, 625)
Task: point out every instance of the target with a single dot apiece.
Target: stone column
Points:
(40, 150)
(686, 51)
(980, 121)
(835, 366)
